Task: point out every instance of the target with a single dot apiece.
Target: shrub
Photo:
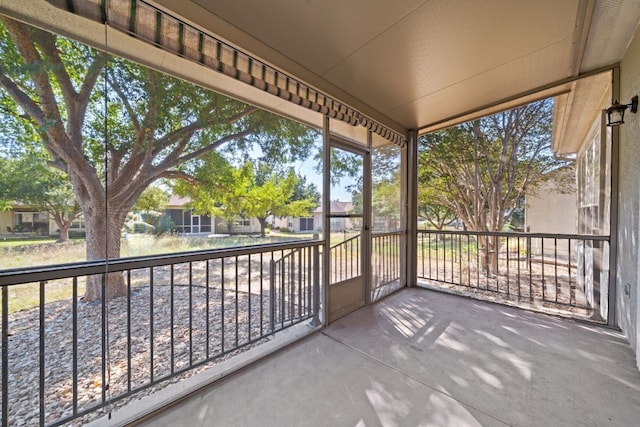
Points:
(162, 224)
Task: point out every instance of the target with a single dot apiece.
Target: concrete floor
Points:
(425, 358)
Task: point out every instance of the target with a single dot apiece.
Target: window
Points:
(77, 224)
(306, 224)
(243, 222)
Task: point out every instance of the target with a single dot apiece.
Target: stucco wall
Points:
(550, 211)
(629, 202)
(6, 220)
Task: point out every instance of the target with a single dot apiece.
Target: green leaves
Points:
(251, 190)
(481, 169)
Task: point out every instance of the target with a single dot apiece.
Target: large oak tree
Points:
(116, 127)
(481, 169)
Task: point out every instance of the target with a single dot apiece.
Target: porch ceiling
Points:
(421, 63)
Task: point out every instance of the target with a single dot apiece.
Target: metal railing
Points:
(564, 273)
(289, 301)
(386, 264)
(345, 259)
(63, 358)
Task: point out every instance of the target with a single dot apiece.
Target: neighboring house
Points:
(22, 219)
(187, 222)
(338, 207)
(297, 224)
(551, 207)
(314, 221)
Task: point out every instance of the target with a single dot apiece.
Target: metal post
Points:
(272, 294)
(326, 226)
(365, 247)
(5, 355)
(411, 251)
(316, 286)
(613, 217)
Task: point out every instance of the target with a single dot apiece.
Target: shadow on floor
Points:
(420, 357)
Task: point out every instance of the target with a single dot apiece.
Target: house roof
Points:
(337, 206)
(176, 201)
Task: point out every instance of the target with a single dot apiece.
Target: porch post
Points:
(326, 221)
(613, 216)
(411, 258)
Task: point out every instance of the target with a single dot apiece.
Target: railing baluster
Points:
(530, 256)
(74, 319)
(42, 353)
(283, 306)
(555, 250)
(300, 293)
(222, 305)
(309, 282)
(477, 261)
(236, 300)
(508, 272)
(5, 356)
(172, 316)
(190, 314)
(261, 293)
(103, 311)
(249, 296)
(237, 294)
(207, 284)
(429, 246)
(572, 296)
(272, 294)
(129, 331)
(519, 293)
(316, 285)
(151, 325)
(468, 260)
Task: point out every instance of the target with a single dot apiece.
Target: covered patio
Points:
(346, 333)
(420, 357)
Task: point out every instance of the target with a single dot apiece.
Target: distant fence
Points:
(566, 273)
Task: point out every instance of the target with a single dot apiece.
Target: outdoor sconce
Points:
(615, 113)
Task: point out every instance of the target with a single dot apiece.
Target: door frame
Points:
(198, 225)
(331, 141)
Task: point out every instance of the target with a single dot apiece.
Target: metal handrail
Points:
(517, 234)
(18, 276)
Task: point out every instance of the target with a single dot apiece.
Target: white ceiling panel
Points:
(421, 62)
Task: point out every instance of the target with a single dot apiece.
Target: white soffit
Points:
(576, 112)
(424, 62)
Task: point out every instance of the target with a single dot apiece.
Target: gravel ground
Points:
(245, 320)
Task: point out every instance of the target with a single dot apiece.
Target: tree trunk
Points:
(64, 231)
(489, 247)
(263, 226)
(103, 242)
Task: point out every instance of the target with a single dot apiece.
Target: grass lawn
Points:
(6, 242)
(24, 253)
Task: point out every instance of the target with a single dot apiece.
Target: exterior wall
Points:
(628, 262)
(550, 211)
(6, 220)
